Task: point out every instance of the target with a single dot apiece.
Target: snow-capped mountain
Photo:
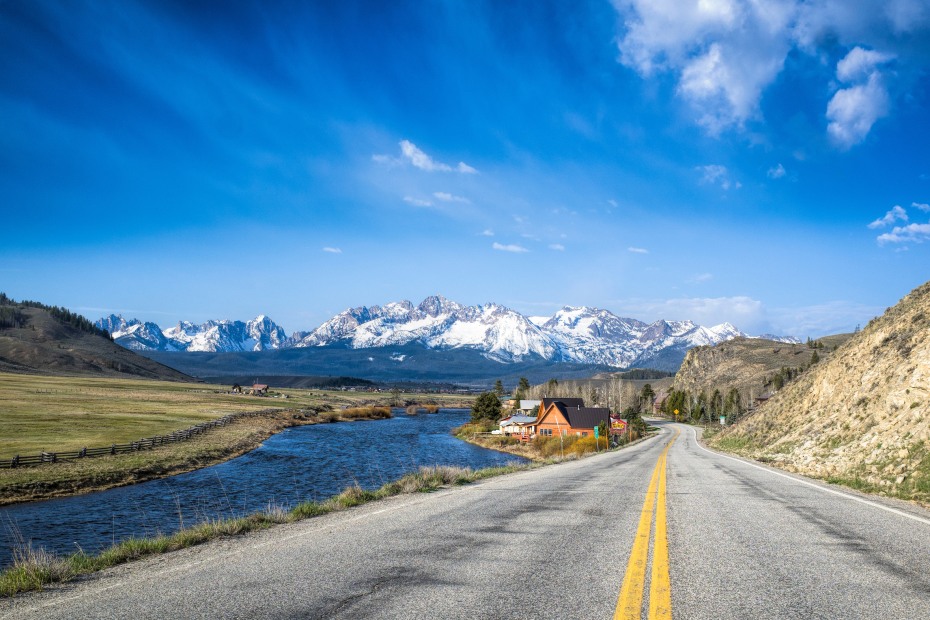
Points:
(259, 334)
(437, 323)
(573, 334)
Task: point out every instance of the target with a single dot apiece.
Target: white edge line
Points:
(819, 487)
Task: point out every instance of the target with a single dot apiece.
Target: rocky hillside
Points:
(862, 417)
(748, 364)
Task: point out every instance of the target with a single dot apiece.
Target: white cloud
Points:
(744, 312)
(421, 160)
(753, 317)
(897, 213)
(612, 203)
(487, 232)
(701, 278)
(777, 172)
(637, 250)
(557, 246)
(724, 54)
(921, 205)
(447, 197)
(333, 250)
(516, 249)
(912, 233)
(852, 111)
(714, 174)
(859, 64)
(417, 202)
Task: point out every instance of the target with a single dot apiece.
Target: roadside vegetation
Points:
(33, 569)
(487, 411)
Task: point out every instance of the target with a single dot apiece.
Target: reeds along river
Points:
(300, 464)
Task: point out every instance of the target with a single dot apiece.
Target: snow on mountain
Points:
(592, 335)
(436, 323)
(576, 334)
(259, 334)
(135, 335)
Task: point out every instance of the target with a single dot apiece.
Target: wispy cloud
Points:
(701, 278)
(912, 233)
(332, 250)
(557, 246)
(421, 160)
(921, 205)
(637, 250)
(715, 174)
(516, 249)
(487, 232)
(417, 202)
(777, 172)
(896, 214)
(447, 197)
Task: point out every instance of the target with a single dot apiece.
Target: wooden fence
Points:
(146, 443)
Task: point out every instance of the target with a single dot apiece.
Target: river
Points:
(299, 464)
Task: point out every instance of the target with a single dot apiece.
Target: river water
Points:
(299, 464)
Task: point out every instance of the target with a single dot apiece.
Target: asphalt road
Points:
(744, 541)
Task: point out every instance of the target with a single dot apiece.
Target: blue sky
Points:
(763, 163)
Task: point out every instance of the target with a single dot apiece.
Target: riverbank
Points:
(34, 569)
(66, 478)
(59, 414)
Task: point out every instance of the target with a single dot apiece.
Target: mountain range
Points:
(573, 334)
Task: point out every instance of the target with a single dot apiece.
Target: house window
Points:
(547, 432)
(584, 434)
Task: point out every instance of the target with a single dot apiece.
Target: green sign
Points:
(596, 429)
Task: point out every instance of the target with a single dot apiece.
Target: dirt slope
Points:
(861, 417)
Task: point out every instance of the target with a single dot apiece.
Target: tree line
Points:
(11, 315)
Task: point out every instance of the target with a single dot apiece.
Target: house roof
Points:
(587, 417)
(568, 402)
(259, 386)
(577, 414)
(519, 419)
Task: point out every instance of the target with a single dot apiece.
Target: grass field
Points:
(57, 414)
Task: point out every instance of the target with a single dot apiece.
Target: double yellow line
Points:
(630, 603)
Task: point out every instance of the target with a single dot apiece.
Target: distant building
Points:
(518, 425)
(259, 389)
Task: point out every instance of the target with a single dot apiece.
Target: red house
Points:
(569, 416)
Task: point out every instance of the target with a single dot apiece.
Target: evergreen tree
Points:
(498, 388)
(487, 407)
